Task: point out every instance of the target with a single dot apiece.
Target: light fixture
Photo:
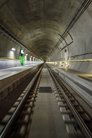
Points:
(13, 49)
(26, 54)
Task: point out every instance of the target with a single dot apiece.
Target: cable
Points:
(81, 10)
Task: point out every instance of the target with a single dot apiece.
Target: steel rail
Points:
(13, 117)
(83, 126)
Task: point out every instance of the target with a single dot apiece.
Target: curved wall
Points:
(81, 49)
(82, 46)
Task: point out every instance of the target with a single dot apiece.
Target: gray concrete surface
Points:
(81, 86)
(82, 44)
(34, 25)
(39, 29)
(4, 73)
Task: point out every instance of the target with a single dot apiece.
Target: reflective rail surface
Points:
(18, 119)
(11, 118)
(83, 119)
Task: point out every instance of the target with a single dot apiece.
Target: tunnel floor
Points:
(47, 121)
(45, 112)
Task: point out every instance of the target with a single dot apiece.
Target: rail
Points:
(83, 119)
(11, 117)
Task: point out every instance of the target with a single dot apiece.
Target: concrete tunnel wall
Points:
(9, 58)
(81, 48)
(82, 37)
(5, 48)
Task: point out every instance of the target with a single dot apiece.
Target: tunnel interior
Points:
(54, 31)
(45, 68)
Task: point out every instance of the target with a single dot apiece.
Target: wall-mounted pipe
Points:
(11, 36)
(67, 44)
(81, 10)
(74, 56)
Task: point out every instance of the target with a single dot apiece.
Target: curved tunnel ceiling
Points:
(37, 23)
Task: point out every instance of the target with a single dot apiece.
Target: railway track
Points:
(15, 123)
(83, 119)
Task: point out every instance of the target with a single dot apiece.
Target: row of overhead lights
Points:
(22, 52)
(13, 40)
(13, 49)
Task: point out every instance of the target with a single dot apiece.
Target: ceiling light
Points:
(13, 49)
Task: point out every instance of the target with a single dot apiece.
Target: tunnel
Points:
(46, 68)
